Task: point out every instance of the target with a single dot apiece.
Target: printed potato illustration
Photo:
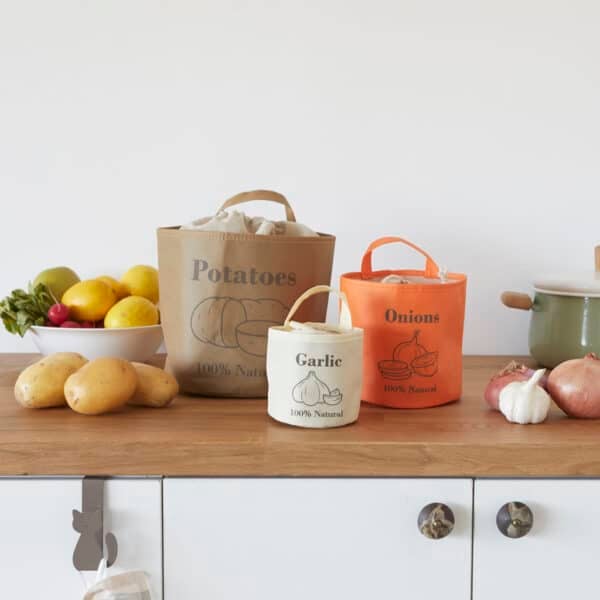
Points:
(265, 309)
(218, 321)
(425, 365)
(252, 336)
(214, 321)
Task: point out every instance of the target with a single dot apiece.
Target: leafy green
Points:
(22, 309)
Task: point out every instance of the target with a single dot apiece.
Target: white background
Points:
(470, 127)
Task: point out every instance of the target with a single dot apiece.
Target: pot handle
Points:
(261, 195)
(345, 317)
(517, 300)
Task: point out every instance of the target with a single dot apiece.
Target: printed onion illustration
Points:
(394, 369)
(409, 350)
(425, 365)
(409, 358)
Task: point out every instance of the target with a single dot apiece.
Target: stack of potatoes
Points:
(94, 387)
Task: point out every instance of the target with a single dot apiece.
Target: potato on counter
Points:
(102, 385)
(41, 385)
(155, 386)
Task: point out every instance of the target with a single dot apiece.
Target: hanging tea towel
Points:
(131, 585)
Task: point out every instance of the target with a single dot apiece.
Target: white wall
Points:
(470, 127)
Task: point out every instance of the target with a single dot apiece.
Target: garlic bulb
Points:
(310, 390)
(525, 401)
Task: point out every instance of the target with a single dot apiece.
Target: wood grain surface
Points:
(211, 437)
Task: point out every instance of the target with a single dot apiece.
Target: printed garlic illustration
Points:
(525, 401)
(334, 397)
(312, 391)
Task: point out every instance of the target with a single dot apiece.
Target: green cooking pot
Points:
(565, 317)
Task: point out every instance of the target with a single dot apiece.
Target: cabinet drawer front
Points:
(267, 539)
(556, 559)
(37, 537)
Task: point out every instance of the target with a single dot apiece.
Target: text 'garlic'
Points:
(525, 401)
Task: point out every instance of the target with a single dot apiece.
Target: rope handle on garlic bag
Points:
(345, 320)
(366, 269)
(261, 195)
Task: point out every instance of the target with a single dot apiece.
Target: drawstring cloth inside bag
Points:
(131, 585)
(404, 279)
(238, 222)
(345, 320)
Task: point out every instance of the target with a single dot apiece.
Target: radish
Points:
(58, 313)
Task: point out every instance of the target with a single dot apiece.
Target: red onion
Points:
(513, 371)
(575, 386)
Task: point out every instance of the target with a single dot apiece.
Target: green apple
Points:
(58, 280)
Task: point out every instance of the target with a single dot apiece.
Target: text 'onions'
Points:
(575, 386)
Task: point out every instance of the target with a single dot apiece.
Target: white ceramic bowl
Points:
(131, 343)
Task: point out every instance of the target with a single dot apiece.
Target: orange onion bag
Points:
(413, 329)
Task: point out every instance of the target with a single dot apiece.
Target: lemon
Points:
(133, 311)
(89, 300)
(118, 288)
(142, 280)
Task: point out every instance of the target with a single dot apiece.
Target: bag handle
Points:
(345, 316)
(261, 195)
(366, 269)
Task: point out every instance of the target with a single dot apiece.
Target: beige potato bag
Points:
(220, 293)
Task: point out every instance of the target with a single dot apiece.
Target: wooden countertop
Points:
(211, 437)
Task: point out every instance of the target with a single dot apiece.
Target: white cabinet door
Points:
(557, 559)
(37, 538)
(268, 539)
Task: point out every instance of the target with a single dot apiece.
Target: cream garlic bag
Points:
(314, 370)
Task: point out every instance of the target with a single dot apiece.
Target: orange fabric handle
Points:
(431, 268)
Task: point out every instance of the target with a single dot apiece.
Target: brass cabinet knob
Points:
(514, 519)
(436, 521)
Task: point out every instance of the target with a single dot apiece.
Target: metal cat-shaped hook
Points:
(89, 550)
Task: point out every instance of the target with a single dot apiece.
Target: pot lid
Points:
(586, 283)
